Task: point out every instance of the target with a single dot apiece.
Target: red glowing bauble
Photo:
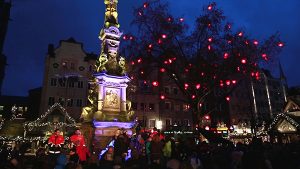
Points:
(155, 83)
(145, 5)
(181, 19)
(162, 70)
(243, 61)
(193, 96)
(132, 63)
(164, 36)
(124, 37)
(228, 98)
(226, 55)
(206, 117)
(233, 81)
(280, 44)
(162, 97)
(210, 39)
(209, 7)
(150, 46)
(139, 60)
(240, 34)
(255, 42)
(198, 86)
(227, 82)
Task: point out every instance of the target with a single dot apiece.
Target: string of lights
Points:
(38, 122)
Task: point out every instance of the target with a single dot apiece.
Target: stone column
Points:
(123, 97)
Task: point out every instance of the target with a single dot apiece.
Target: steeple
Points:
(109, 60)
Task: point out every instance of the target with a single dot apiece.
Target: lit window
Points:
(186, 107)
(152, 123)
(1, 108)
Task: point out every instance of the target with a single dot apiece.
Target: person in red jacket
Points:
(55, 142)
(78, 142)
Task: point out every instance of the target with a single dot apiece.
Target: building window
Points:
(61, 101)
(167, 105)
(80, 84)
(186, 107)
(1, 108)
(53, 81)
(70, 103)
(71, 84)
(72, 66)
(177, 107)
(152, 123)
(151, 106)
(168, 122)
(142, 106)
(51, 101)
(167, 90)
(175, 91)
(79, 102)
(185, 122)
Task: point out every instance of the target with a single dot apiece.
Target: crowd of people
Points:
(153, 150)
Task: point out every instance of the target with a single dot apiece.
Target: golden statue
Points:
(111, 13)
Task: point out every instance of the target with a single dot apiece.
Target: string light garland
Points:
(38, 122)
(286, 117)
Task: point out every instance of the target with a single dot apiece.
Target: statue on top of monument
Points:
(111, 13)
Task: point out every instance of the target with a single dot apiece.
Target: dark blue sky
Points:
(36, 23)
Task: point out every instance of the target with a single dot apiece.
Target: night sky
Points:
(36, 23)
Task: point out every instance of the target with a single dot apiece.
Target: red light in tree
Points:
(206, 117)
(186, 86)
(209, 47)
(132, 77)
(202, 73)
(252, 74)
(132, 63)
(181, 19)
(280, 44)
(145, 82)
(210, 7)
(246, 42)
(125, 37)
(155, 83)
(166, 62)
(198, 86)
(164, 36)
(200, 104)
(145, 5)
(264, 56)
(240, 34)
(169, 19)
(150, 46)
(140, 13)
(221, 84)
(206, 128)
(170, 61)
(193, 96)
(210, 39)
(233, 81)
(226, 55)
(243, 61)
(228, 26)
(238, 69)
(227, 82)
(227, 98)
(255, 42)
(159, 41)
(130, 38)
(142, 72)
(162, 97)
(139, 60)
(229, 41)
(186, 70)
(162, 70)
(209, 25)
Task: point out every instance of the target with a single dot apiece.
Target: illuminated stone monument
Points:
(108, 110)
